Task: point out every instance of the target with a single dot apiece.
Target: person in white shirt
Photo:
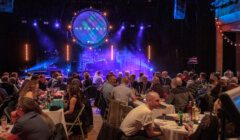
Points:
(97, 78)
(141, 117)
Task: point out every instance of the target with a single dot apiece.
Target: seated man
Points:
(123, 93)
(34, 124)
(141, 117)
(179, 95)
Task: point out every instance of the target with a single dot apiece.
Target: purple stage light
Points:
(122, 27)
(57, 25)
(35, 23)
(141, 27)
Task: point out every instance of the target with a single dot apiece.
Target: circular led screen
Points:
(89, 28)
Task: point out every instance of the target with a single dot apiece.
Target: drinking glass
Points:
(4, 123)
(187, 117)
(164, 117)
(197, 113)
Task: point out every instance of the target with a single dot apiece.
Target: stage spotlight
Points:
(69, 26)
(141, 27)
(151, 69)
(110, 27)
(24, 21)
(35, 24)
(57, 24)
(105, 13)
(132, 25)
(106, 40)
(90, 48)
(68, 70)
(45, 22)
(122, 27)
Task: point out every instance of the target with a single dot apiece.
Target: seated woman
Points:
(209, 126)
(34, 124)
(28, 89)
(207, 129)
(75, 103)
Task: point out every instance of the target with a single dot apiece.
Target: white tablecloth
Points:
(57, 117)
(164, 109)
(171, 130)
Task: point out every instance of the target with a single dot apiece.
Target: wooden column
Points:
(219, 50)
(238, 52)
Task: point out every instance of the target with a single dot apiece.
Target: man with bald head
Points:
(179, 95)
(141, 117)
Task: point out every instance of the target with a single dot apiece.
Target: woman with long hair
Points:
(75, 102)
(30, 89)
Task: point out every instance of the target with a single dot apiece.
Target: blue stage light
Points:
(122, 27)
(141, 27)
(151, 69)
(57, 24)
(68, 70)
(35, 24)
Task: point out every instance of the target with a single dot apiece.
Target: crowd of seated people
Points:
(184, 88)
(126, 87)
(36, 87)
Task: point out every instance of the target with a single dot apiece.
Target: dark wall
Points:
(229, 55)
(173, 41)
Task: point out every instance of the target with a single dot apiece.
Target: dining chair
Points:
(76, 122)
